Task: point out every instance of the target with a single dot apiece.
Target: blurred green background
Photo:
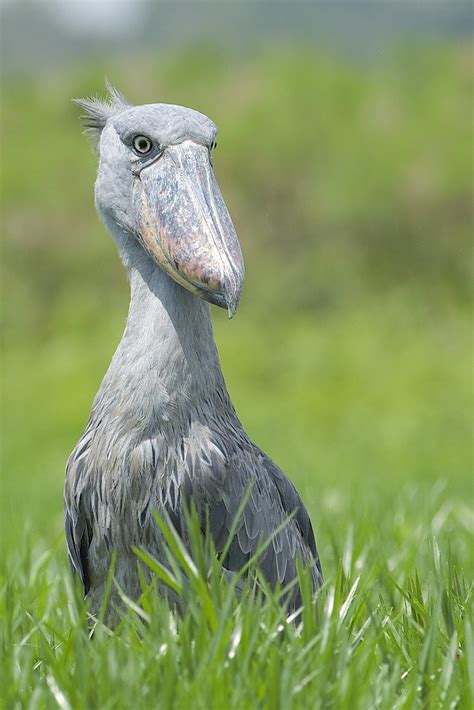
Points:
(350, 184)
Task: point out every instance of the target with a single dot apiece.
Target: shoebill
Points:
(163, 432)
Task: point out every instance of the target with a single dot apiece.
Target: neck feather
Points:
(166, 367)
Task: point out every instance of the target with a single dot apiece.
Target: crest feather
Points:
(98, 111)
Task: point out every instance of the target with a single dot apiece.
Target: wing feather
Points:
(273, 499)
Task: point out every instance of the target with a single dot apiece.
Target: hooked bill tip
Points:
(231, 309)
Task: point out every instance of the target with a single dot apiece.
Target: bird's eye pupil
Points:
(142, 144)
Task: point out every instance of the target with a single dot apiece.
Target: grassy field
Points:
(349, 362)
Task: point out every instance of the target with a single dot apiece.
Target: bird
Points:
(163, 433)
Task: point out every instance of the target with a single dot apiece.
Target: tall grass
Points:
(382, 633)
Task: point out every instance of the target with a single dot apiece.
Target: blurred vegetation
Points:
(351, 191)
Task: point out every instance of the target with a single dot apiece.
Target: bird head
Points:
(156, 182)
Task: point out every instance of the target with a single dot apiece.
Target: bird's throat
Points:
(166, 367)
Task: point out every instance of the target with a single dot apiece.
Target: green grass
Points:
(391, 628)
(349, 362)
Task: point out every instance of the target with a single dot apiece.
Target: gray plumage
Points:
(162, 431)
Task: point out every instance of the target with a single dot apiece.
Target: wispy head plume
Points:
(98, 111)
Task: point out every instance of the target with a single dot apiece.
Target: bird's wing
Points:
(219, 484)
(76, 525)
(78, 541)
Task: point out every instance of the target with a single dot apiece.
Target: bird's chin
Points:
(222, 299)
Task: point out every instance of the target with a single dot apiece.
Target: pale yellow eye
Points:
(142, 144)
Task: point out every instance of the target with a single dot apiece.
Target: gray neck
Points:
(166, 368)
